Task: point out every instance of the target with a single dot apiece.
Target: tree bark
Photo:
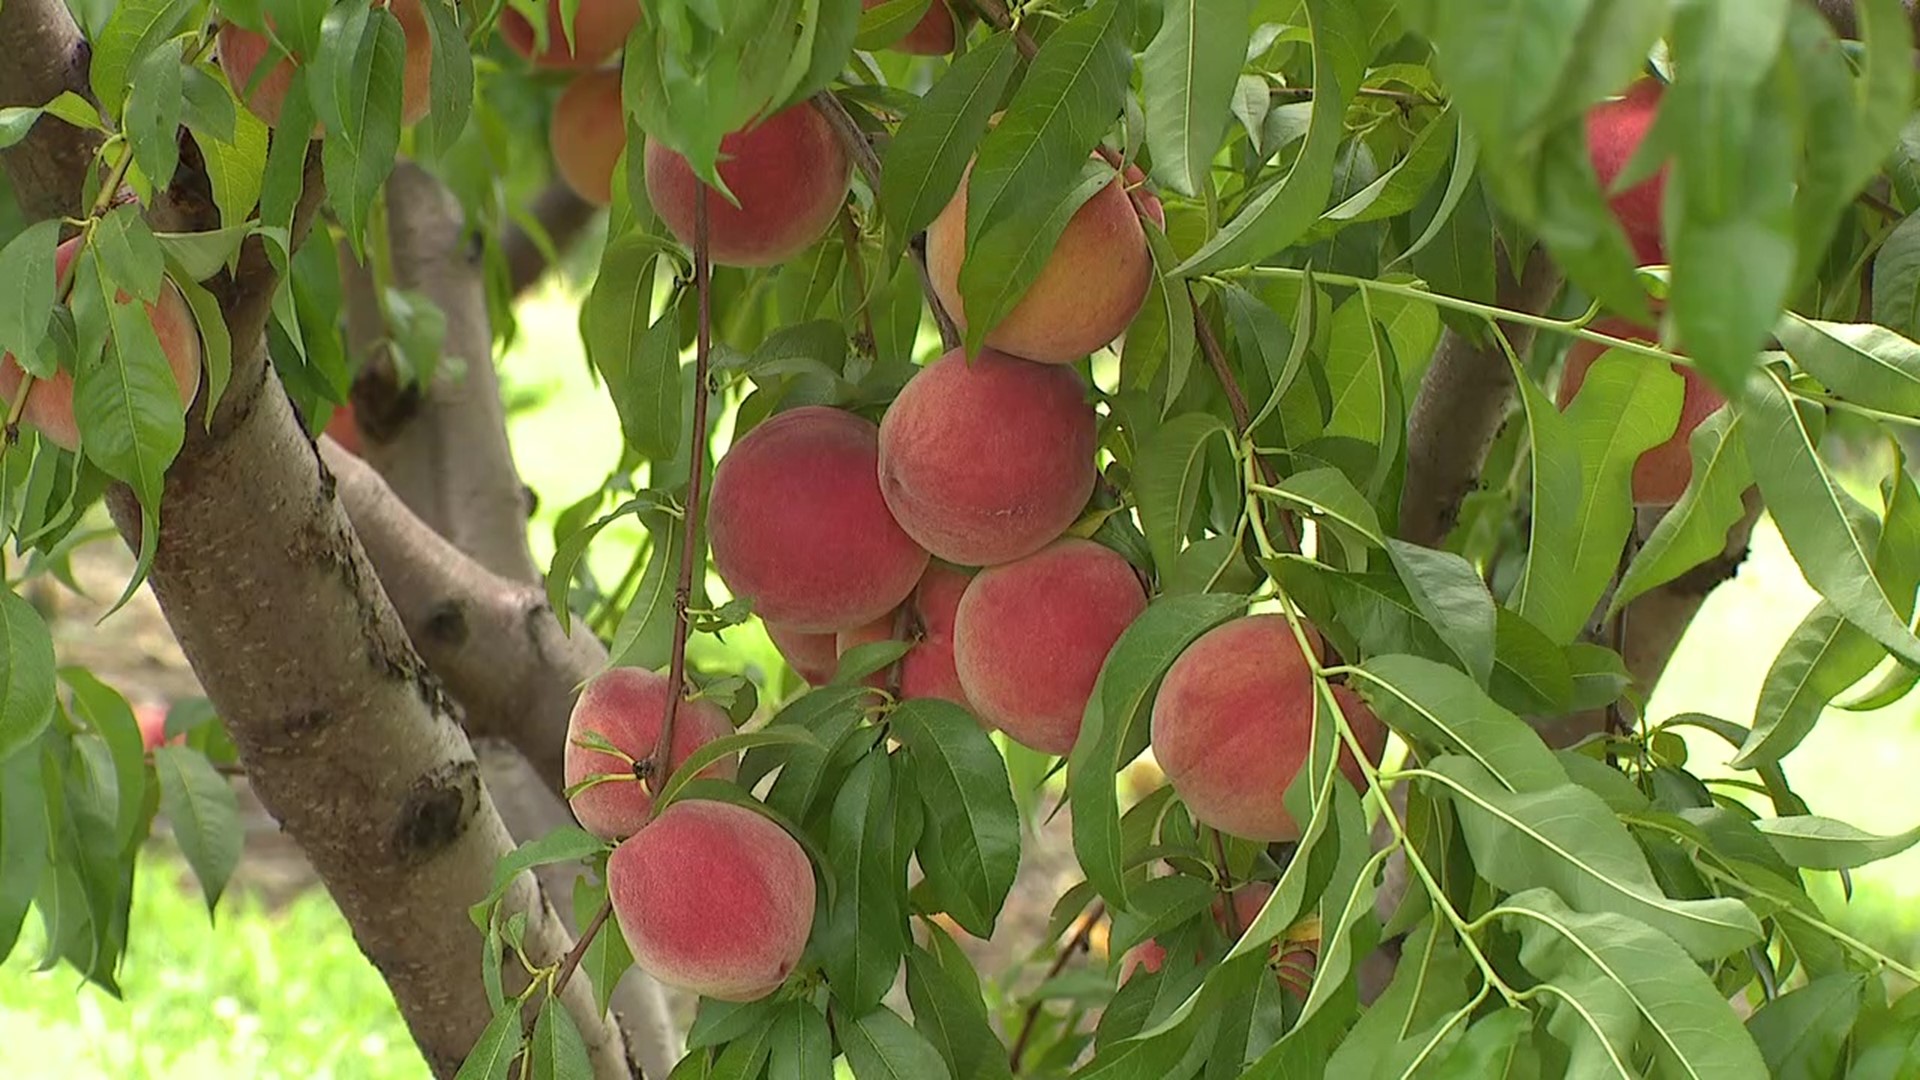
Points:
(45, 55)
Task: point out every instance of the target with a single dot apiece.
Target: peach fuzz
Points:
(49, 408)
(600, 29)
(798, 527)
(1031, 635)
(927, 670)
(985, 460)
(933, 35)
(1233, 725)
(713, 899)
(1661, 474)
(588, 132)
(1086, 294)
(241, 52)
(789, 173)
(1614, 131)
(813, 657)
(626, 706)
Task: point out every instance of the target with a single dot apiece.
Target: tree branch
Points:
(563, 216)
(45, 55)
(1463, 401)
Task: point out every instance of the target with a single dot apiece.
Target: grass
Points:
(287, 994)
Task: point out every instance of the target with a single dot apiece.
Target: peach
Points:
(987, 460)
(1661, 475)
(588, 133)
(49, 408)
(1233, 725)
(927, 669)
(813, 657)
(1089, 290)
(1614, 131)
(241, 51)
(626, 706)
(714, 899)
(799, 529)
(1031, 635)
(789, 173)
(933, 35)
(600, 29)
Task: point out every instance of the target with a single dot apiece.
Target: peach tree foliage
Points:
(1346, 187)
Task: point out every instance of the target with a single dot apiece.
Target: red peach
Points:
(626, 706)
(813, 657)
(600, 29)
(1661, 474)
(1031, 635)
(714, 899)
(1614, 132)
(933, 35)
(927, 669)
(49, 408)
(987, 460)
(789, 173)
(241, 51)
(799, 528)
(1233, 725)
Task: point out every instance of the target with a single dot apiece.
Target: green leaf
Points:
(1442, 707)
(356, 91)
(136, 28)
(1333, 501)
(125, 399)
(1279, 216)
(493, 1053)
(112, 719)
(1819, 843)
(1530, 673)
(1121, 697)
(1546, 593)
(1005, 261)
(962, 781)
(1452, 597)
(800, 1046)
(1625, 407)
(557, 1049)
(1630, 987)
(725, 747)
(953, 1017)
(1804, 1033)
(155, 102)
(882, 24)
(608, 956)
(24, 837)
(1695, 529)
(1398, 190)
(1073, 89)
(834, 29)
(1819, 521)
(1167, 477)
(862, 936)
(284, 175)
(127, 254)
(1565, 838)
(26, 675)
(449, 79)
(26, 305)
(1187, 76)
(569, 843)
(237, 165)
(205, 815)
(1896, 278)
(1858, 362)
(640, 363)
(881, 1046)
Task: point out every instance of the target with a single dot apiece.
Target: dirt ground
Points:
(134, 651)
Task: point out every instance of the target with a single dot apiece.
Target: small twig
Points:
(1404, 96)
(868, 163)
(850, 236)
(996, 13)
(656, 767)
(579, 950)
(1075, 944)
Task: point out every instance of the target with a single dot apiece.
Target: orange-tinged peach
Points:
(241, 52)
(600, 29)
(1088, 291)
(713, 898)
(1031, 635)
(813, 657)
(626, 706)
(588, 133)
(986, 460)
(798, 526)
